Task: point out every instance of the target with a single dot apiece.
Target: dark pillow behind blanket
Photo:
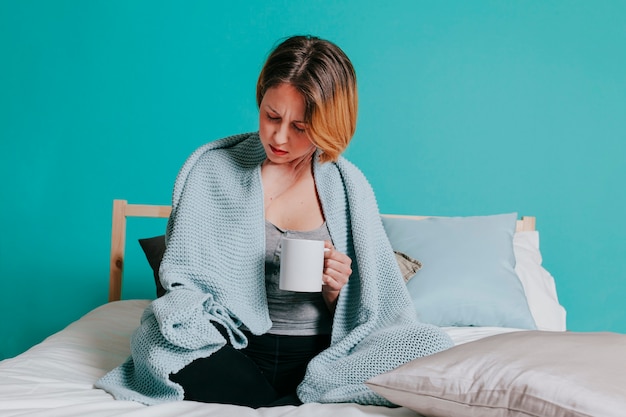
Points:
(154, 248)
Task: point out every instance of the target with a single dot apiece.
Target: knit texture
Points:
(213, 271)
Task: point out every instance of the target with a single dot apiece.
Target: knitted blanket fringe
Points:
(213, 271)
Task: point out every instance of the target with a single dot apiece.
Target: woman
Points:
(224, 332)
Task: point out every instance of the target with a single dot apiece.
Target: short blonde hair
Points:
(324, 75)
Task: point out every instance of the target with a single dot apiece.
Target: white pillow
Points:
(524, 373)
(538, 284)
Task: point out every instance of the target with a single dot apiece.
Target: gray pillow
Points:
(522, 373)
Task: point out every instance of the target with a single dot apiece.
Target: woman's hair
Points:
(324, 75)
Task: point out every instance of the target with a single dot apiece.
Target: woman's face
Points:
(281, 125)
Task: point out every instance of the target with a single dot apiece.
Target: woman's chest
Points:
(292, 205)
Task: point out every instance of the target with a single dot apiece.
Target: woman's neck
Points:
(292, 169)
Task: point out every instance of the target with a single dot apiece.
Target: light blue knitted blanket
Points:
(213, 269)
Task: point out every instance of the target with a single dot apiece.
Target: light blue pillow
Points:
(468, 275)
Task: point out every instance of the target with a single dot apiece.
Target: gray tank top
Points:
(293, 313)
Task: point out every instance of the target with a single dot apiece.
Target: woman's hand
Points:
(337, 270)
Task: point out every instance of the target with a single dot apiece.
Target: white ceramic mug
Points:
(301, 265)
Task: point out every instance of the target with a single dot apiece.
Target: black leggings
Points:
(265, 373)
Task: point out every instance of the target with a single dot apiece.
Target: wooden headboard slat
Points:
(122, 210)
(145, 210)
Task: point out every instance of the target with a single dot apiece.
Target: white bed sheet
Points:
(56, 377)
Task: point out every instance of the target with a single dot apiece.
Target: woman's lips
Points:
(278, 152)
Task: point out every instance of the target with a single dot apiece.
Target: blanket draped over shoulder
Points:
(213, 271)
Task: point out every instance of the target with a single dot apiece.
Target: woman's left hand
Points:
(337, 270)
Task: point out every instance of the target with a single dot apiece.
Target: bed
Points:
(479, 277)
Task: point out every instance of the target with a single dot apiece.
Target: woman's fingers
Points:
(337, 268)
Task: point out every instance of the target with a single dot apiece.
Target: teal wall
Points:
(466, 107)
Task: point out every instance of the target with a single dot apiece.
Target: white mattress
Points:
(55, 377)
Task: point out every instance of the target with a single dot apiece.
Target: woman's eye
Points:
(299, 129)
(273, 118)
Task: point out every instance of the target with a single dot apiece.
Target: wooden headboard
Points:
(122, 210)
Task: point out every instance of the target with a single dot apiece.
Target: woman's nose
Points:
(281, 134)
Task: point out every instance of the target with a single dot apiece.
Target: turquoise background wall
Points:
(466, 108)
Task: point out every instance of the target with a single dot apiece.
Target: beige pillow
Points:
(408, 265)
(523, 373)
